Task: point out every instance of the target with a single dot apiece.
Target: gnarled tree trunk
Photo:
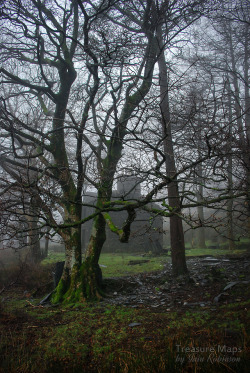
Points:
(69, 288)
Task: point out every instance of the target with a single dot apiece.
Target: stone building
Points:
(146, 231)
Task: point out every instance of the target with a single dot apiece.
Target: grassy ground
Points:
(93, 338)
(213, 252)
(113, 265)
(101, 337)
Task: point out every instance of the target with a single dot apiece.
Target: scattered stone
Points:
(133, 324)
(210, 283)
(219, 297)
(46, 299)
(165, 287)
(195, 304)
(135, 262)
(230, 285)
(209, 259)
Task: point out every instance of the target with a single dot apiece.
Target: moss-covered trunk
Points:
(81, 281)
(92, 275)
(68, 287)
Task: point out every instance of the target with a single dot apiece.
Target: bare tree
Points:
(87, 70)
(55, 40)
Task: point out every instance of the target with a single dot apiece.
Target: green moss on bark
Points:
(85, 285)
(60, 291)
(91, 281)
(111, 225)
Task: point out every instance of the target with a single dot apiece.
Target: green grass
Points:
(97, 338)
(54, 257)
(242, 243)
(114, 265)
(214, 252)
(117, 264)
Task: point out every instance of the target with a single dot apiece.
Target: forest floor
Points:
(148, 322)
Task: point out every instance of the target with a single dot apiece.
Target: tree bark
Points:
(92, 275)
(244, 132)
(82, 281)
(201, 242)
(247, 120)
(108, 166)
(33, 234)
(70, 286)
(231, 243)
(46, 248)
(179, 266)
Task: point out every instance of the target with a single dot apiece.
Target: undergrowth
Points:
(101, 338)
(98, 337)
